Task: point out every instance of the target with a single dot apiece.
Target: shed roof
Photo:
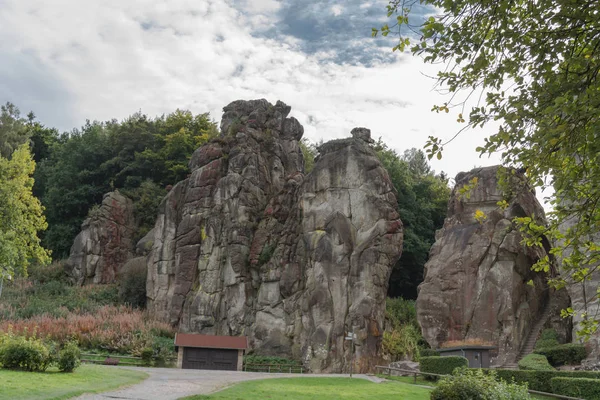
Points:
(211, 341)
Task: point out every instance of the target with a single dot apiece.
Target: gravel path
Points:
(171, 384)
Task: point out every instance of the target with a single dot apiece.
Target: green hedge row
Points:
(541, 380)
(535, 362)
(584, 388)
(441, 365)
(563, 354)
(429, 353)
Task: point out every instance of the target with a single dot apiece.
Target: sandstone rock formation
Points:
(104, 243)
(475, 286)
(583, 300)
(249, 245)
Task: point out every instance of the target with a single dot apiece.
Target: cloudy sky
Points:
(72, 60)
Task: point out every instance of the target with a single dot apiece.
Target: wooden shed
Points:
(478, 356)
(225, 353)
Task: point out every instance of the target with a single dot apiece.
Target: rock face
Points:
(104, 243)
(582, 293)
(475, 286)
(248, 245)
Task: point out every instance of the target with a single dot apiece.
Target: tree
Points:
(21, 216)
(140, 156)
(13, 129)
(422, 200)
(533, 67)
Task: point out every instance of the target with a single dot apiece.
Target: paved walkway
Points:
(171, 384)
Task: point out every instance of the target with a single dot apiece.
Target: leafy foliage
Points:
(564, 354)
(69, 358)
(309, 152)
(404, 340)
(534, 68)
(132, 285)
(476, 385)
(441, 365)
(139, 155)
(536, 362)
(539, 380)
(21, 215)
(20, 352)
(423, 201)
(258, 359)
(582, 388)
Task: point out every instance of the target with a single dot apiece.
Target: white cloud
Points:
(112, 58)
(337, 10)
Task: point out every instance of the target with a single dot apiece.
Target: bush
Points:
(564, 354)
(147, 356)
(584, 388)
(401, 312)
(69, 358)
(540, 380)
(256, 359)
(402, 342)
(548, 338)
(441, 365)
(535, 362)
(429, 353)
(132, 290)
(28, 354)
(477, 385)
(549, 334)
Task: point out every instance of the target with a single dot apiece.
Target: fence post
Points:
(415, 377)
(269, 368)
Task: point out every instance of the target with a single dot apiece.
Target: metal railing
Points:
(415, 373)
(280, 368)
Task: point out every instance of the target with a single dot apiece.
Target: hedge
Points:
(429, 353)
(535, 362)
(541, 380)
(585, 388)
(441, 365)
(563, 354)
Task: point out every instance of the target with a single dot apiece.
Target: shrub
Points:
(549, 334)
(132, 290)
(564, 354)
(535, 362)
(257, 359)
(477, 385)
(540, 380)
(548, 338)
(69, 358)
(584, 388)
(147, 355)
(441, 365)
(114, 329)
(401, 312)
(29, 354)
(402, 342)
(429, 353)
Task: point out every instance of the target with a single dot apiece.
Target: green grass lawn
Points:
(18, 385)
(318, 388)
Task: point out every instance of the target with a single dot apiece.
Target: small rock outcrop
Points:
(476, 287)
(104, 243)
(248, 245)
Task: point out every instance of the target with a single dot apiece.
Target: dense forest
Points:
(143, 156)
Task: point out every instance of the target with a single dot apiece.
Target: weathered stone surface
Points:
(583, 300)
(475, 285)
(249, 245)
(104, 243)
